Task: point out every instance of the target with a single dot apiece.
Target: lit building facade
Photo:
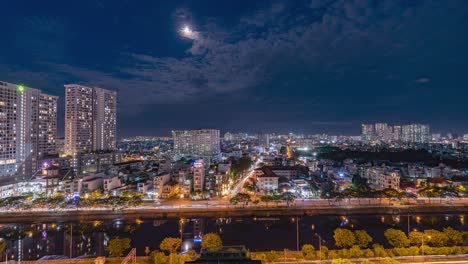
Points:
(203, 143)
(383, 131)
(368, 132)
(383, 178)
(28, 128)
(90, 119)
(416, 133)
(198, 175)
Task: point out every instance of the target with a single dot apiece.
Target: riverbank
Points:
(85, 214)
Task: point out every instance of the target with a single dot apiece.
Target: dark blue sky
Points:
(304, 66)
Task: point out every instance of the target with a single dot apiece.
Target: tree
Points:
(118, 246)
(243, 198)
(396, 238)
(157, 257)
(211, 242)
(170, 244)
(287, 197)
(455, 237)
(3, 246)
(379, 251)
(362, 238)
(307, 249)
(344, 238)
(415, 238)
(97, 194)
(436, 238)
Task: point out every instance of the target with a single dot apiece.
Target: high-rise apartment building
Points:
(416, 133)
(28, 128)
(383, 131)
(396, 133)
(202, 143)
(368, 132)
(90, 119)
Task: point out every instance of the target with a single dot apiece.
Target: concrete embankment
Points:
(157, 213)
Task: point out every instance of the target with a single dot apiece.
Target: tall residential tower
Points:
(28, 128)
(90, 119)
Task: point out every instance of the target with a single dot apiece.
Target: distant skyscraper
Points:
(382, 131)
(90, 119)
(368, 132)
(28, 128)
(396, 133)
(416, 133)
(202, 143)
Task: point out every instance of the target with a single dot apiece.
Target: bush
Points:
(344, 238)
(271, 256)
(379, 251)
(307, 249)
(362, 238)
(396, 238)
(356, 252)
(211, 242)
(436, 238)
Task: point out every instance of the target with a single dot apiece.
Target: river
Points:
(31, 241)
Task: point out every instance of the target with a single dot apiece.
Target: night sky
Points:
(269, 66)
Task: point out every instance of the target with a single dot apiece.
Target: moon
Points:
(187, 32)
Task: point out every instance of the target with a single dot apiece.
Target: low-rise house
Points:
(170, 189)
(383, 178)
(111, 182)
(267, 180)
(90, 183)
(158, 182)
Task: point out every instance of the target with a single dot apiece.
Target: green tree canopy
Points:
(211, 242)
(118, 246)
(307, 249)
(415, 238)
(435, 238)
(455, 237)
(3, 246)
(344, 238)
(362, 238)
(170, 244)
(396, 238)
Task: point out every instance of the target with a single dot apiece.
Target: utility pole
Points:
(71, 240)
(320, 247)
(408, 225)
(297, 233)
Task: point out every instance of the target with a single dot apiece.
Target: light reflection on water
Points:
(30, 241)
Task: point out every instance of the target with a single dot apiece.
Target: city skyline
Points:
(323, 66)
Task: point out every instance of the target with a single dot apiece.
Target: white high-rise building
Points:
(396, 133)
(383, 131)
(416, 133)
(368, 132)
(90, 119)
(28, 128)
(203, 143)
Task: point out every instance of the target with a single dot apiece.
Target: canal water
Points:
(31, 241)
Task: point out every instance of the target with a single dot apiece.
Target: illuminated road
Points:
(239, 186)
(182, 205)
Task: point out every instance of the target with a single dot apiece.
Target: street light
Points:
(320, 246)
(422, 245)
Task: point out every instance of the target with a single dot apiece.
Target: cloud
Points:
(251, 57)
(422, 80)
